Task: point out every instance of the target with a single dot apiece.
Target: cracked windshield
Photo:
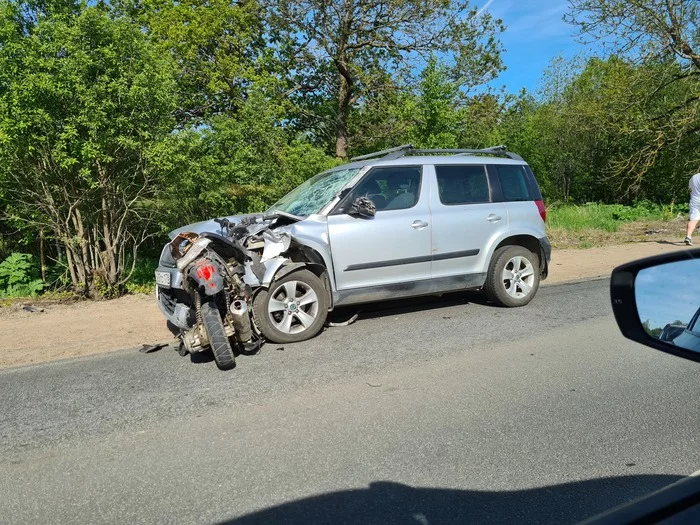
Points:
(349, 261)
(315, 193)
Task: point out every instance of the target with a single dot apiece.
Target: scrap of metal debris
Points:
(147, 349)
(345, 323)
(32, 309)
(373, 386)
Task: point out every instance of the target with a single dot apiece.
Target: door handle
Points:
(493, 218)
(418, 225)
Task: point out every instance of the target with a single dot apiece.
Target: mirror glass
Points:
(668, 302)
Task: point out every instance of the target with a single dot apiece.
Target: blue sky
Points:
(535, 33)
(668, 292)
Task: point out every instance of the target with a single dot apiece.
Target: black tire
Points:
(220, 345)
(266, 320)
(508, 293)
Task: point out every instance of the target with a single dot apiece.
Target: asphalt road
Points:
(433, 411)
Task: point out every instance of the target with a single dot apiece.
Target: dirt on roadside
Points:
(60, 331)
(79, 329)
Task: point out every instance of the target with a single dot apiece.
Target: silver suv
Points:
(397, 223)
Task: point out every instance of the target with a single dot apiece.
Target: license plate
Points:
(163, 279)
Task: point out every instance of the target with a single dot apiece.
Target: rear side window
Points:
(462, 184)
(514, 183)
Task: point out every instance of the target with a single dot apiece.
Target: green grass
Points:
(608, 217)
(143, 280)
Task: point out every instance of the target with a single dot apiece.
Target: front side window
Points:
(391, 188)
(462, 184)
(514, 183)
(311, 196)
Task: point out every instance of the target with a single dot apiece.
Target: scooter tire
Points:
(219, 342)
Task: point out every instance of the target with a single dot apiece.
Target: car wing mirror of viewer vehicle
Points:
(363, 207)
(656, 302)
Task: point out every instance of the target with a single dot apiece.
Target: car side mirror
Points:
(656, 302)
(363, 207)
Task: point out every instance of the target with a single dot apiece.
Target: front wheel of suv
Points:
(513, 277)
(293, 309)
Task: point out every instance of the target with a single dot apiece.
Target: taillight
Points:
(542, 210)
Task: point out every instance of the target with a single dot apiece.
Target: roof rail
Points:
(391, 153)
(408, 149)
(493, 150)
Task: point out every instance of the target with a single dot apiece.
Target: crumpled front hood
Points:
(209, 226)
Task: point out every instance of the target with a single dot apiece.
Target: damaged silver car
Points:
(397, 223)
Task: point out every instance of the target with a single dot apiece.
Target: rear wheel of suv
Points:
(513, 277)
(292, 309)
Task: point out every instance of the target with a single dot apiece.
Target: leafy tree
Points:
(644, 28)
(341, 51)
(591, 119)
(665, 35)
(83, 97)
(653, 332)
(435, 113)
(219, 48)
(233, 165)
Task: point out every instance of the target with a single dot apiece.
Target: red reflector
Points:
(542, 210)
(206, 271)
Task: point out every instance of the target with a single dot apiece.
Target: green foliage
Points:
(594, 135)
(143, 278)
(120, 121)
(84, 97)
(19, 276)
(436, 113)
(345, 54)
(58, 275)
(233, 165)
(218, 48)
(654, 108)
(654, 332)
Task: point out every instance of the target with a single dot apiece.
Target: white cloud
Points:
(481, 11)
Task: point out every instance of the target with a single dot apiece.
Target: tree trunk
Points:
(82, 259)
(42, 256)
(341, 122)
(108, 255)
(75, 274)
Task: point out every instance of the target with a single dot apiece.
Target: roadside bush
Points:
(19, 276)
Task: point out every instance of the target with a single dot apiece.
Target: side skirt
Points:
(370, 294)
